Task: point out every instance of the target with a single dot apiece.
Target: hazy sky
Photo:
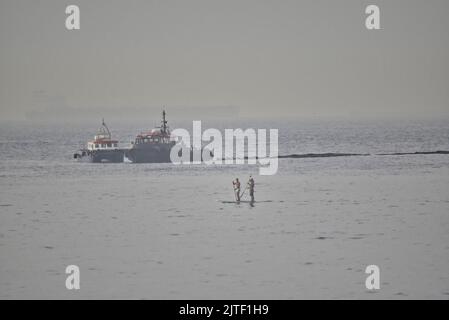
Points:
(266, 57)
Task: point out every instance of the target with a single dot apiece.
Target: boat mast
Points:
(107, 129)
(164, 123)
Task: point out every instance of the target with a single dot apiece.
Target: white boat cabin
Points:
(102, 140)
(102, 145)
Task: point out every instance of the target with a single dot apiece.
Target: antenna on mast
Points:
(105, 129)
(164, 122)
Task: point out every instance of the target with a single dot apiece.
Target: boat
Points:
(153, 146)
(103, 149)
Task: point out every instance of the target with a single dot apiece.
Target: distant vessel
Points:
(153, 146)
(102, 149)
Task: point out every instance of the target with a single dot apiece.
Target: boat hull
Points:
(149, 153)
(154, 153)
(101, 156)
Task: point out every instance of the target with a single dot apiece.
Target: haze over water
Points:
(164, 231)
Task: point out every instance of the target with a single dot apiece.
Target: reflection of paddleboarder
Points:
(236, 184)
(251, 188)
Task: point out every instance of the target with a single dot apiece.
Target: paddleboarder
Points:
(251, 188)
(236, 184)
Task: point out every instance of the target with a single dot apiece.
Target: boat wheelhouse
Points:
(154, 136)
(102, 141)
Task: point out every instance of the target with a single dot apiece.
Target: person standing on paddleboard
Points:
(251, 188)
(236, 184)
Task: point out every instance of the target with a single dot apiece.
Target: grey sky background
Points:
(263, 58)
